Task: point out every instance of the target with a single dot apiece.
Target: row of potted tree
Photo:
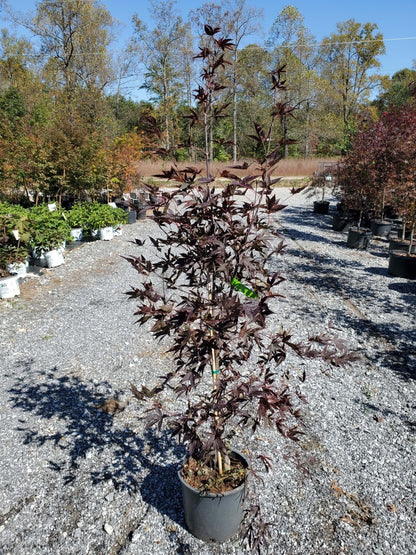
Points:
(377, 184)
(42, 233)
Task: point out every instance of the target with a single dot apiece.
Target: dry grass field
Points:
(290, 168)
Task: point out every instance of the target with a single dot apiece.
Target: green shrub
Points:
(103, 215)
(79, 214)
(14, 217)
(10, 255)
(48, 229)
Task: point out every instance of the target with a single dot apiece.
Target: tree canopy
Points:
(65, 121)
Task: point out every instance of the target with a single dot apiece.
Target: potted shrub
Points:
(49, 232)
(14, 237)
(210, 286)
(353, 183)
(77, 217)
(401, 126)
(103, 219)
(14, 224)
(321, 180)
(11, 258)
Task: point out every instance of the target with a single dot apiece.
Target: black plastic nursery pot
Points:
(402, 265)
(140, 212)
(213, 517)
(407, 233)
(358, 238)
(401, 245)
(381, 228)
(341, 221)
(320, 207)
(132, 216)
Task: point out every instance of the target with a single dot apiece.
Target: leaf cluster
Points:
(48, 229)
(94, 215)
(381, 167)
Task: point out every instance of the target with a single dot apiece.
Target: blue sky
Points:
(396, 20)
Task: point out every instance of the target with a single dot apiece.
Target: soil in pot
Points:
(358, 238)
(401, 245)
(320, 207)
(402, 265)
(213, 504)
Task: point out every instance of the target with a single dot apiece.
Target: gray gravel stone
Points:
(76, 480)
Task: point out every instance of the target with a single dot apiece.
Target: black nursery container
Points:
(381, 228)
(320, 207)
(132, 217)
(402, 265)
(213, 517)
(358, 238)
(342, 221)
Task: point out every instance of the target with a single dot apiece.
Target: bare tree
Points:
(74, 37)
(159, 50)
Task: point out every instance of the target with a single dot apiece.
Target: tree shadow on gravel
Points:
(407, 290)
(377, 271)
(410, 424)
(397, 355)
(323, 273)
(81, 430)
(330, 275)
(296, 226)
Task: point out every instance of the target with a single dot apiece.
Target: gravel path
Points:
(76, 480)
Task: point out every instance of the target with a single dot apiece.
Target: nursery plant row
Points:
(39, 235)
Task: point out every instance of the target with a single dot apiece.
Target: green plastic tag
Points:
(240, 287)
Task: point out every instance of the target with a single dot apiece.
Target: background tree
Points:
(381, 167)
(397, 90)
(347, 61)
(74, 37)
(238, 21)
(255, 94)
(16, 61)
(294, 48)
(159, 50)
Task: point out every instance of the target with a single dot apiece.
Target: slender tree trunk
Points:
(412, 236)
(235, 108)
(284, 132)
(235, 124)
(307, 131)
(210, 133)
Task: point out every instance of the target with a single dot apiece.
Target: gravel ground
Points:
(76, 480)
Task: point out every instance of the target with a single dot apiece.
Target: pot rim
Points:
(211, 494)
(402, 254)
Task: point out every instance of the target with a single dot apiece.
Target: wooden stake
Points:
(214, 373)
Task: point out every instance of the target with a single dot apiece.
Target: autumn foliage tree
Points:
(125, 157)
(400, 127)
(381, 167)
